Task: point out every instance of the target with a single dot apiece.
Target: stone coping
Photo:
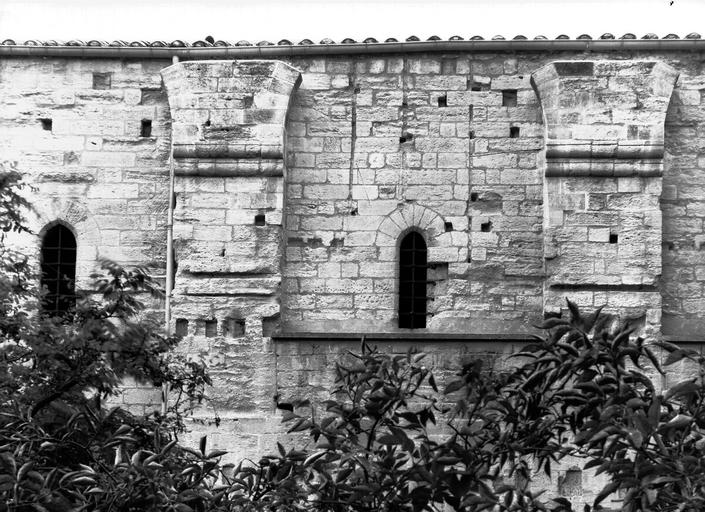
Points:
(211, 42)
(285, 48)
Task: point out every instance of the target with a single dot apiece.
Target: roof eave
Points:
(273, 51)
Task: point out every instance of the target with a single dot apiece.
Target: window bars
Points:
(413, 267)
(58, 271)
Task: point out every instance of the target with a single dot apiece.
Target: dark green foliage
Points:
(60, 449)
(585, 390)
(388, 438)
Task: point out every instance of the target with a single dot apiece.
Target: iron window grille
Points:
(58, 271)
(413, 281)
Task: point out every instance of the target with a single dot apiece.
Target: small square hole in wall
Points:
(211, 328)
(474, 86)
(146, 128)
(513, 132)
(614, 238)
(270, 325)
(471, 134)
(448, 66)
(260, 219)
(150, 96)
(407, 137)
(235, 327)
(486, 227)
(509, 98)
(181, 327)
(46, 123)
(473, 196)
(448, 226)
(102, 81)
(443, 101)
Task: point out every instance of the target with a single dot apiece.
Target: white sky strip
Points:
(255, 20)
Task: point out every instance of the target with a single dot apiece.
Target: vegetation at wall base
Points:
(388, 439)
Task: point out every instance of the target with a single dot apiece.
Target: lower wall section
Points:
(250, 379)
(252, 375)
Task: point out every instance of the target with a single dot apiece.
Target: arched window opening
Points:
(413, 282)
(58, 270)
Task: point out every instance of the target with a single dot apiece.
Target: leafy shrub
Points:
(585, 390)
(60, 449)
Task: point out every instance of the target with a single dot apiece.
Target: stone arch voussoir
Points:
(80, 221)
(411, 216)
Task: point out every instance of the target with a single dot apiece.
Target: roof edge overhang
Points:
(278, 51)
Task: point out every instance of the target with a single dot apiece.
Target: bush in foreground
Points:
(585, 390)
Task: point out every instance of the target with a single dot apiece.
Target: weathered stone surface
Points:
(604, 109)
(533, 178)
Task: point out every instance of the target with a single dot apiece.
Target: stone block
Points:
(598, 234)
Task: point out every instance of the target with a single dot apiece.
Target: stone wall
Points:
(93, 138)
(532, 177)
(683, 206)
(444, 143)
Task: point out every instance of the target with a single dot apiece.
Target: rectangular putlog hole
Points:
(181, 327)
(509, 98)
(443, 101)
(486, 227)
(513, 132)
(211, 328)
(151, 96)
(46, 123)
(146, 128)
(235, 327)
(448, 66)
(260, 219)
(270, 325)
(477, 86)
(614, 238)
(102, 81)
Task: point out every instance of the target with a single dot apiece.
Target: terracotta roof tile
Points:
(210, 42)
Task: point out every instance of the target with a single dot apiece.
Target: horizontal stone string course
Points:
(603, 168)
(228, 167)
(234, 151)
(603, 149)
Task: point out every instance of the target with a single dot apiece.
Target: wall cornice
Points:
(291, 50)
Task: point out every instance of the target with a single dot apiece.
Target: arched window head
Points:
(413, 269)
(58, 270)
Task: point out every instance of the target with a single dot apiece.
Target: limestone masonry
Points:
(533, 171)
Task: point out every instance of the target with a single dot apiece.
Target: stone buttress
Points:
(604, 163)
(228, 161)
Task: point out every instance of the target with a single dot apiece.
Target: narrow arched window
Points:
(58, 270)
(412, 281)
